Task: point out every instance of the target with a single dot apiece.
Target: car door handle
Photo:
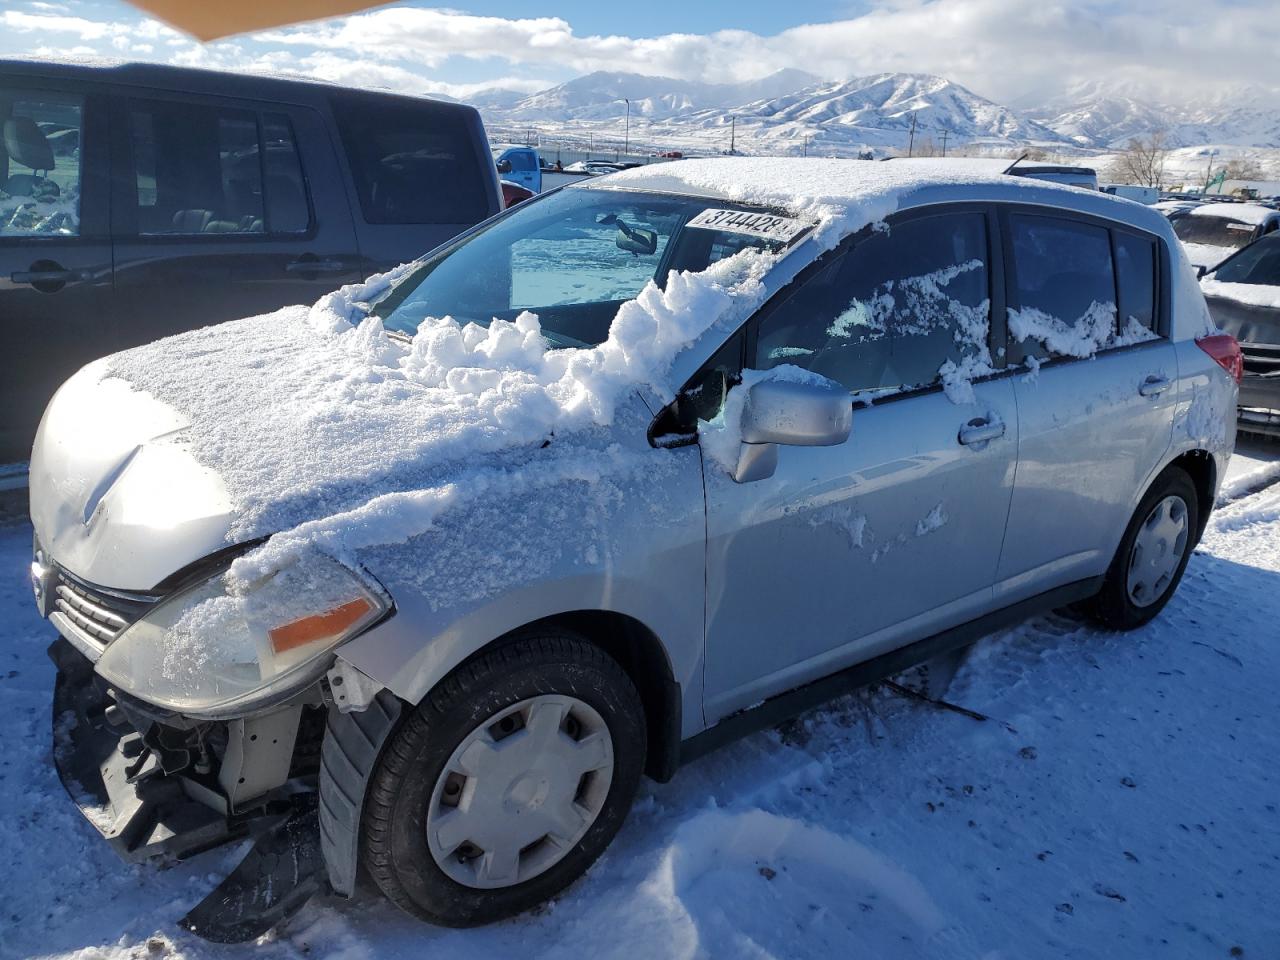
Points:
(303, 265)
(980, 431)
(1154, 386)
(48, 276)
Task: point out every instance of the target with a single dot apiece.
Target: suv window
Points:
(39, 163)
(897, 310)
(1064, 286)
(199, 169)
(412, 163)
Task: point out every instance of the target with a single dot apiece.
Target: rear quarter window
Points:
(412, 163)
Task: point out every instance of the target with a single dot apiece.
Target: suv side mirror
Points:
(504, 166)
(809, 413)
(1201, 271)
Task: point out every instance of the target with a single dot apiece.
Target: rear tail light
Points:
(1225, 349)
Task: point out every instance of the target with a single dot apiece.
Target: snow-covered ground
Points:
(1123, 800)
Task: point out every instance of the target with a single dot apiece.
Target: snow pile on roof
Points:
(1256, 294)
(1254, 213)
(840, 195)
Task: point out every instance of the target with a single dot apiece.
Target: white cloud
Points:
(1002, 48)
(1005, 49)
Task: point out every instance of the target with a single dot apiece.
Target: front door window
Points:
(40, 164)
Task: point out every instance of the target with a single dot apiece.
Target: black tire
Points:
(394, 847)
(1113, 607)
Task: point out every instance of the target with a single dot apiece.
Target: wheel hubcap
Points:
(1157, 551)
(520, 791)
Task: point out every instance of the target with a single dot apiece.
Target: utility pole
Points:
(626, 143)
(945, 134)
(911, 144)
(733, 129)
(806, 146)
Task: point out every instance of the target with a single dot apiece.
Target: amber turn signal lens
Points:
(319, 626)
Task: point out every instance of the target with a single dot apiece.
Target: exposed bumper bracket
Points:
(145, 814)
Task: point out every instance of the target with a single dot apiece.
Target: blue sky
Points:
(1009, 50)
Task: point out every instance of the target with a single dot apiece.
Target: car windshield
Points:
(573, 257)
(1213, 231)
(1258, 263)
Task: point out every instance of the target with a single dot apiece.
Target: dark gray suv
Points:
(138, 201)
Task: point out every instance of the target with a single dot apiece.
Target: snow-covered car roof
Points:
(839, 195)
(1243, 212)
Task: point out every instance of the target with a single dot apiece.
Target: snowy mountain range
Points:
(791, 111)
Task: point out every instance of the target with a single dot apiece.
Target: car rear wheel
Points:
(1152, 554)
(506, 783)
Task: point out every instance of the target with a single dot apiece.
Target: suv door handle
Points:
(47, 276)
(1154, 386)
(980, 430)
(314, 265)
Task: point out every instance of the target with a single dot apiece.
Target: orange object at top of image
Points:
(210, 21)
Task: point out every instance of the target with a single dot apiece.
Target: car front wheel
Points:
(506, 783)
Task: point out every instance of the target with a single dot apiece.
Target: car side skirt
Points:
(787, 705)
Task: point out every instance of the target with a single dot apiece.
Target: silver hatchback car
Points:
(420, 580)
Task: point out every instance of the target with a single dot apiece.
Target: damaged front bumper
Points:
(161, 787)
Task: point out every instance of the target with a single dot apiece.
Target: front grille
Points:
(100, 614)
(1261, 358)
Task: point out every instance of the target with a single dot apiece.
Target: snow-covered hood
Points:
(313, 424)
(116, 496)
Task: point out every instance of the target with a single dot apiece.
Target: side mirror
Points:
(636, 239)
(1201, 271)
(504, 166)
(808, 413)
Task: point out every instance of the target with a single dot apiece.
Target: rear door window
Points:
(1064, 290)
(412, 163)
(202, 169)
(39, 163)
(1138, 280)
(903, 308)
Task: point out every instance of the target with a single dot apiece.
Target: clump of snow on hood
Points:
(317, 420)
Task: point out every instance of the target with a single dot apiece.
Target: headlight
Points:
(224, 647)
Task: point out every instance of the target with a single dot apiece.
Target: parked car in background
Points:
(520, 165)
(1211, 232)
(1175, 209)
(513, 193)
(594, 168)
(1243, 294)
(1130, 191)
(1086, 178)
(629, 471)
(192, 197)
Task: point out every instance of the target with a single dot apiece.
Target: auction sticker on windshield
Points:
(768, 226)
